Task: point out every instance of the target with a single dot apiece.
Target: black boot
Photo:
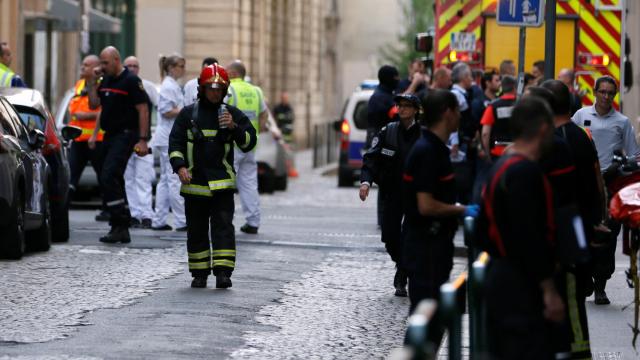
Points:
(600, 297)
(199, 282)
(116, 235)
(400, 283)
(223, 280)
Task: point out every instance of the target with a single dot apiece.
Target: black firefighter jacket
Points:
(206, 150)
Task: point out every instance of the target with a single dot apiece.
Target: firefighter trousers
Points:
(516, 327)
(219, 252)
(575, 328)
(117, 149)
(428, 260)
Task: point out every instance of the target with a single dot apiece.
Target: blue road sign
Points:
(520, 12)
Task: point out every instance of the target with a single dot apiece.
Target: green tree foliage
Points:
(417, 17)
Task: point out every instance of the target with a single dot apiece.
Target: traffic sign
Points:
(520, 12)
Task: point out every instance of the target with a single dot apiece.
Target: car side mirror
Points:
(337, 125)
(37, 139)
(70, 132)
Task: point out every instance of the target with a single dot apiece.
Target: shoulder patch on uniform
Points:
(140, 85)
(374, 141)
(504, 112)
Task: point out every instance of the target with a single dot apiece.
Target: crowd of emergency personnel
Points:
(455, 143)
(464, 142)
(205, 139)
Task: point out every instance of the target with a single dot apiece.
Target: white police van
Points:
(353, 133)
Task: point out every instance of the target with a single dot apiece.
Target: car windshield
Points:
(32, 120)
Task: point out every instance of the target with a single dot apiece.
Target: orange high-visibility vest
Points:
(80, 103)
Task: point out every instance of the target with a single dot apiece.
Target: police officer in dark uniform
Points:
(380, 111)
(431, 216)
(383, 163)
(201, 147)
(125, 121)
(495, 120)
(516, 229)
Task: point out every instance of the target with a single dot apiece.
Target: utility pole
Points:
(550, 40)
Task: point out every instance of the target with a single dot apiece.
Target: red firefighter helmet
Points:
(214, 76)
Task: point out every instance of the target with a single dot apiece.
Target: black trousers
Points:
(79, 155)
(117, 149)
(603, 258)
(516, 326)
(428, 260)
(392, 226)
(219, 252)
(380, 208)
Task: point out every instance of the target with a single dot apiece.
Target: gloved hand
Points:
(472, 210)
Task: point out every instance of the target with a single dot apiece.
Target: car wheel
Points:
(40, 238)
(14, 244)
(60, 223)
(345, 178)
(266, 181)
(281, 182)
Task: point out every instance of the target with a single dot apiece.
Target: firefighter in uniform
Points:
(88, 146)
(516, 228)
(495, 120)
(201, 153)
(576, 278)
(249, 99)
(125, 121)
(431, 216)
(383, 163)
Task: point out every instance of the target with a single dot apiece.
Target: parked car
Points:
(34, 114)
(88, 182)
(25, 219)
(353, 129)
(272, 154)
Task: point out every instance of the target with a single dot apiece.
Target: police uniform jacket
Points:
(205, 149)
(384, 162)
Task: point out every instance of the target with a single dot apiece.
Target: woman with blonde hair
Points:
(170, 102)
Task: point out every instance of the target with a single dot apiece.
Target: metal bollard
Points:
(420, 330)
(452, 296)
(477, 307)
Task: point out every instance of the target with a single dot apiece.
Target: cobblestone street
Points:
(46, 295)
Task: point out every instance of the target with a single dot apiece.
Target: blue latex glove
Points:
(472, 210)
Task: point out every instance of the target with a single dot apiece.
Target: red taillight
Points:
(345, 129)
(52, 144)
(471, 57)
(593, 60)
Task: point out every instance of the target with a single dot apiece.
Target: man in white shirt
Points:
(610, 131)
(139, 174)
